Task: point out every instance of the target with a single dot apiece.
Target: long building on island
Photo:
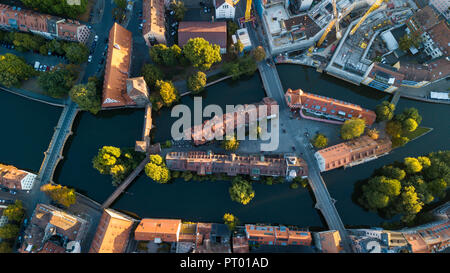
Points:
(117, 68)
(327, 107)
(13, 178)
(353, 152)
(50, 27)
(218, 126)
(203, 163)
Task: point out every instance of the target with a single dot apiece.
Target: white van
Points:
(36, 65)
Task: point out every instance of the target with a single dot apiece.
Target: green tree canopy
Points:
(107, 157)
(412, 165)
(58, 82)
(352, 128)
(151, 74)
(76, 53)
(87, 96)
(230, 220)
(385, 111)
(320, 141)
(167, 91)
(157, 170)
(179, 8)
(57, 7)
(61, 194)
(9, 231)
(258, 53)
(5, 247)
(201, 53)
(14, 70)
(241, 191)
(196, 82)
(15, 211)
(230, 143)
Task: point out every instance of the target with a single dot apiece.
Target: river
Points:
(208, 201)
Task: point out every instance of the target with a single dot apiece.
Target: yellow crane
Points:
(338, 33)
(327, 30)
(375, 6)
(248, 9)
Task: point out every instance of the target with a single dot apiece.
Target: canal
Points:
(207, 201)
(26, 130)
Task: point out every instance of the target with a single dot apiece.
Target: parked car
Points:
(5, 189)
(13, 192)
(172, 12)
(95, 38)
(90, 58)
(175, 24)
(173, 33)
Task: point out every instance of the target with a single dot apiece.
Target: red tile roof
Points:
(215, 33)
(166, 229)
(117, 68)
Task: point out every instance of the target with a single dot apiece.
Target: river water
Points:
(204, 201)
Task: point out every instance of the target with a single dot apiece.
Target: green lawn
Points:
(417, 133)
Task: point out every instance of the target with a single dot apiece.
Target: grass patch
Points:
(417, 133)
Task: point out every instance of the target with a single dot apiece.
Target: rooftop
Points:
(215, 33)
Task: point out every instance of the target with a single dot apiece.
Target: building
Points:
(13, 178)
(224, 9)
(437, 41)
(50, 27)
(241, 117)
(429, 238)
(327, 107)
(240, 244)
(112, 233)
(418, 75)
(117, 68)
(137, 90)
(204, 163)
(352, 152)
(442, 7)
(213, 32)
(242, 35)
(144, 144)
(377, 240)
(383, 77)
(3, 218)
(53, 228)
(423, 20)
(276, 235)
(158, 230)
(329, 241)
(154, 22)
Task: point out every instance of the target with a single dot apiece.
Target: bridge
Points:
(274, 89)
(125, 183)
(395, 97)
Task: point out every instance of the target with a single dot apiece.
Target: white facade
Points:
(244, 38)
(225, 10)
(28, 181)
(430, 47)
(320, 161)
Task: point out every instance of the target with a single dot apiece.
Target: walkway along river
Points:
(208, 201)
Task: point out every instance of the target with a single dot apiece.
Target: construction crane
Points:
(375, 6)
(338, 33)
(248, 10)
(327, 30)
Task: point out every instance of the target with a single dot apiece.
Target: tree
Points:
(379, 191)
(241, 191)
(179, 8)
(14, 70)
(230, 143)
(232, 69)
(196, 82)
(393, 172)
(106, 158)
(26, 42)
(57, 7)
(156, 169)
(76, 53)
(258, 53)
(9, 231)
(56, 46)
(385, 111)
(232, 27)
(412, 165)
(58, 82)
(201, 53)
(394, 128)
(14, 212)
(151, 74)
(161, 54)
(87, 97)
(5, 247)
(352, 128)
(409, 125)
(407, 113)
(399, 141)
(61, 194)
(122, 4)
(410, 204)
(409, 40)
(373, 133)
(230, 220)
(167, 91)
(320, 141)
